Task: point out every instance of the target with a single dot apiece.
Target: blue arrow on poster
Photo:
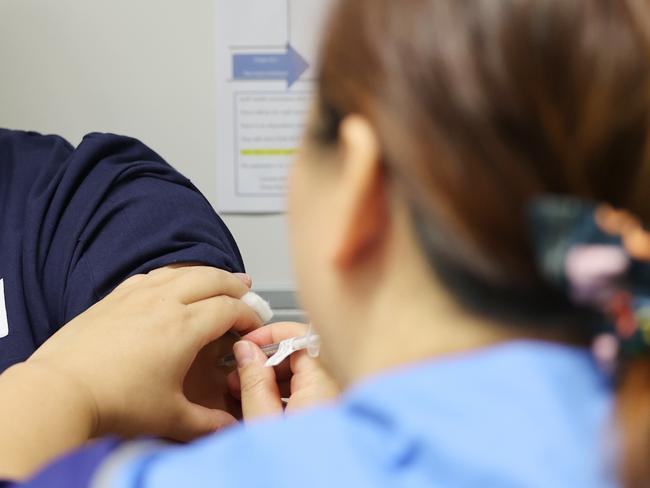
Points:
(289, 66)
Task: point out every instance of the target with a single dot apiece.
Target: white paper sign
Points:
(266, 56)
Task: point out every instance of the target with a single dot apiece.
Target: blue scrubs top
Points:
(520, 414)
(76, 222)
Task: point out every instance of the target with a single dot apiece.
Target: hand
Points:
(130, 352)
(261, 389)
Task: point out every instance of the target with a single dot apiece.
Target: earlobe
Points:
(363, 207)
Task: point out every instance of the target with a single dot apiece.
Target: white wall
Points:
(144, 68)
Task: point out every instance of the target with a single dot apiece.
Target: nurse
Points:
(467, 215)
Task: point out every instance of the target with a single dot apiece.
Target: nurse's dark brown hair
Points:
(480, 105)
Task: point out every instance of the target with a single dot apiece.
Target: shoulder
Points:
(29, 140)
(29, 153)
(115, 157)
(50, 160)
(111, 208)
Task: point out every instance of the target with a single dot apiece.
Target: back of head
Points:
(482, 106)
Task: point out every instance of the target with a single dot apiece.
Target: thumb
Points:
(198, 421)
(260, 395)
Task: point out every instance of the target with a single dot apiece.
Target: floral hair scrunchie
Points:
(600, 257)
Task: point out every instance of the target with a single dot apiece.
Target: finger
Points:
(163, 271)
(166, 273)
(198, 283)
(302, 362)
(215, 316)
(131, 281)
(310, 383)
(259, 392)
(234, 387)
(156, 276)
(277, 332)
(197, 421)
(246, 279)
(283, 373)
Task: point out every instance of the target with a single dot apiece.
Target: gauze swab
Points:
(261, 306)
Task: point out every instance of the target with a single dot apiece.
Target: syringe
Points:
(282, 350)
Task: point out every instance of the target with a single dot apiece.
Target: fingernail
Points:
(244, 353)
(248, 281)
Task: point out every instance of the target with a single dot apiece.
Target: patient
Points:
(76, 222)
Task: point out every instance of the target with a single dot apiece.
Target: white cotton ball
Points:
(258, 304)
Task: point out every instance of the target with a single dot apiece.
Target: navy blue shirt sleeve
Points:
(24, 156)
(104, 211)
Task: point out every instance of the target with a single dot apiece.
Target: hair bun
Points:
(581, 248)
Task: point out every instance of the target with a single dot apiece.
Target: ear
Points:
(362, 212)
